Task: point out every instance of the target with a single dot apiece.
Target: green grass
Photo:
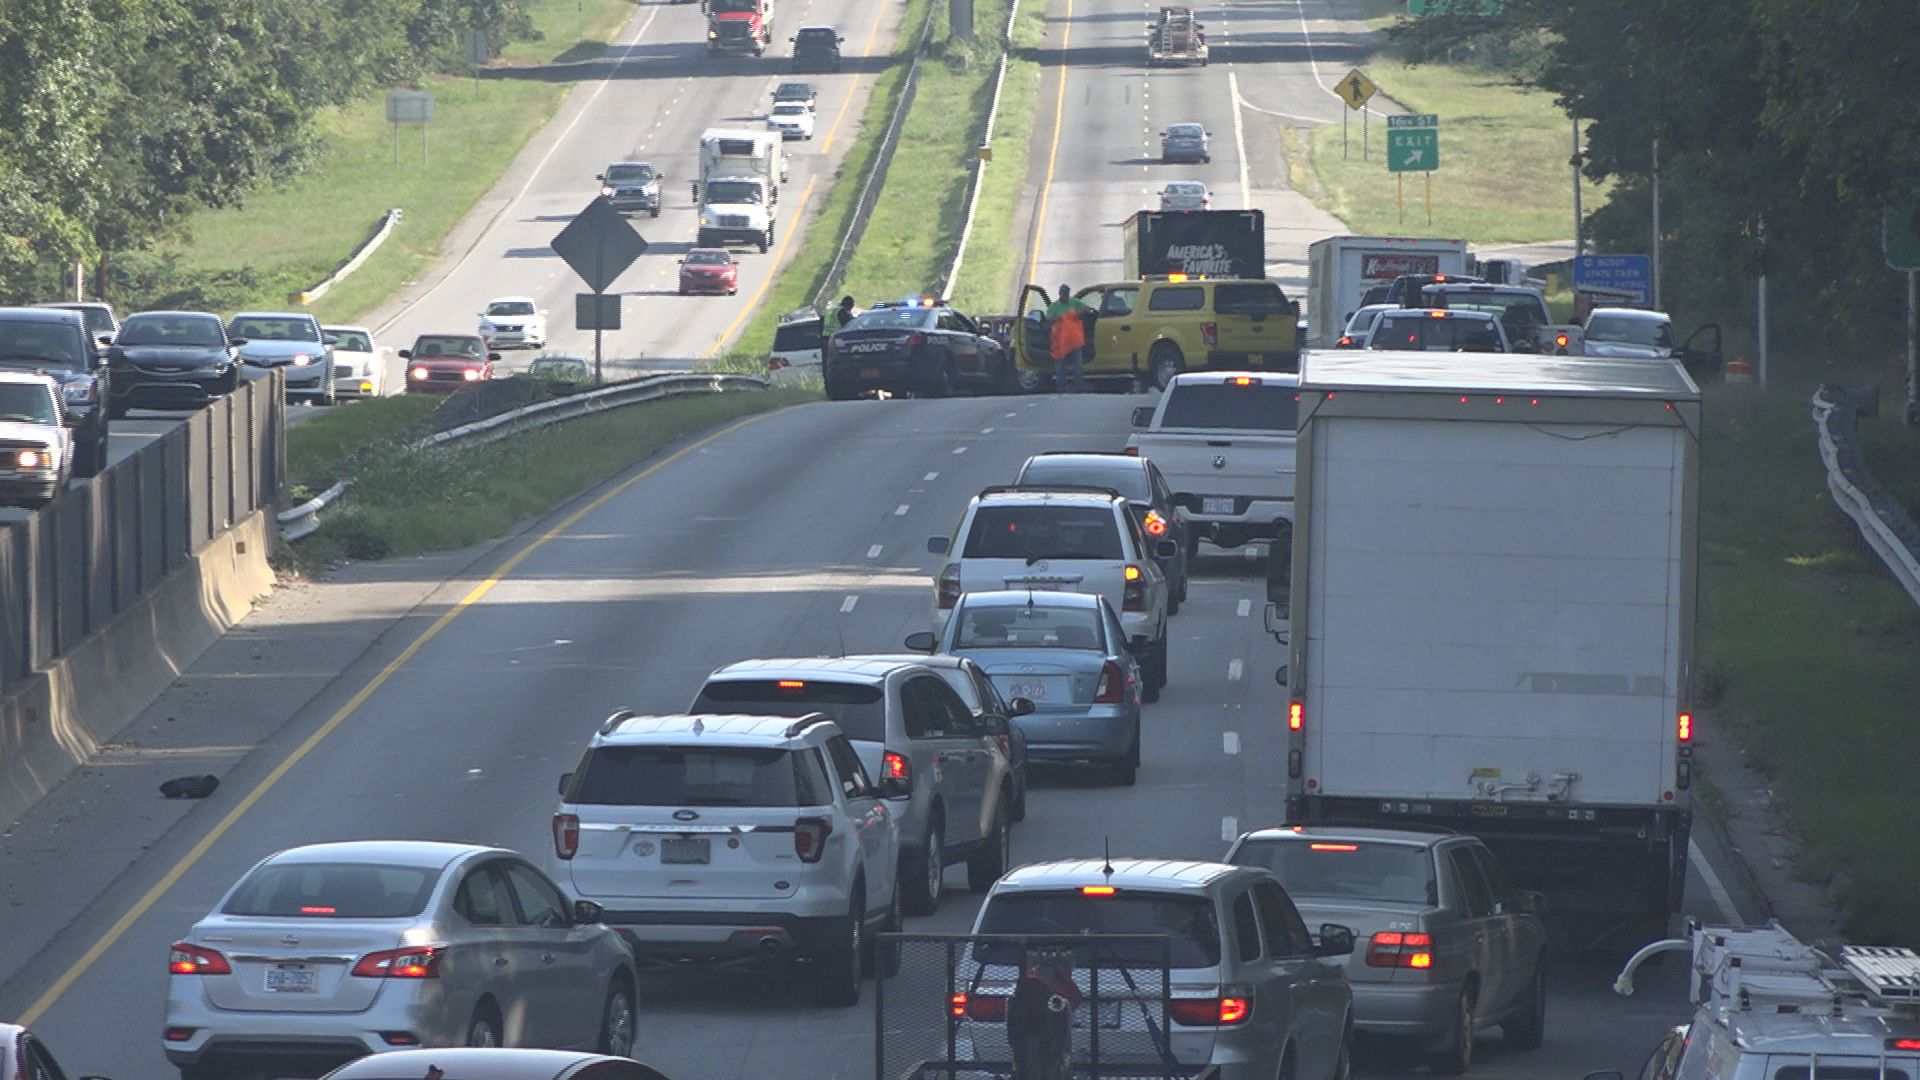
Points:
(416, 500)
(295, 234)
(996, 248)
(318, 448)
(1503, 175)
(795, 285)
(1808, 649)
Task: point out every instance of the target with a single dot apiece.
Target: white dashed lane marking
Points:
(1230, 742)
(959, 449)
(873, 552)
(900, 511)
(1245, 608)
(847, 604)
(930, 476)
(1229, 829)
(1234, 670)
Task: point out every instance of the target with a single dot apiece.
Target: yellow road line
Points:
(145, 903)
(1053, 151)
(780, 249)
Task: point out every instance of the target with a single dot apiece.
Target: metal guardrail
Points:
(304, 520)
(380, 233)
(981, 159)
(1883, 523)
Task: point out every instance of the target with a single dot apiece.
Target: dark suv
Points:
(56, 343)
(817, 48)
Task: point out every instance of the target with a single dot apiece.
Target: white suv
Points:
(733, 837)
(1064, 538)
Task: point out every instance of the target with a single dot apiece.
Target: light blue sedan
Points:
(1066, 653)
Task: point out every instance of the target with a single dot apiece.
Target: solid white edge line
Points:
(1715, 887)
(1239, 137)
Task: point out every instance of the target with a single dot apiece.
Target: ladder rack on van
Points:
(1767, 969)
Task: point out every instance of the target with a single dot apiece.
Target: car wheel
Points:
(1164, 362)
(991, 858)
(1173, 600)
(1031, 382)
(1184, 575)
(617, 1021)
(1457, 1058)
(925, 874)
(883, 957)
(1020, 798)
(1153, 675)
(837, 970)
(117, 409)
(836, 390)
(1126, 771)
(766, 240)
(1527, 1030)
(655, 212)
(90, 457)
(484, 1028)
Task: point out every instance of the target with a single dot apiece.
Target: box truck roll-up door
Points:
(1489, 601)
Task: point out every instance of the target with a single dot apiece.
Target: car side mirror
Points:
(1279, 618)
(1143, 416)
(329, 339)
(1335, 940)
(586, 912)
(840, 41)
(920, 641)
(405, 354)
(1524, 902)
(493, 357)
(1021, 706)
(1280, 675)
(600, 176)
(566, 781)
(936, 545)
(236, 342)
(896, 787)
(106, 339)
(1166, 549)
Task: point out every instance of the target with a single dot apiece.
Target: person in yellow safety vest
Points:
(836, 318)
(1067, 339)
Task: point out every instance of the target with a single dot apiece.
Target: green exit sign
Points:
(1453, 7)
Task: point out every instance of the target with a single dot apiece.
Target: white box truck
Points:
(1492, 616)
(1340, 270)
(738, 187)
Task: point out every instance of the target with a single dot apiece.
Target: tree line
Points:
(119, 118)
(1786, 128)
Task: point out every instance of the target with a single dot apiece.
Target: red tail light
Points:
(1684, 728)
(1134, 598)
(185, 959)
(775, 363)
(1131, 451)
(1296, 716)
(1391, 948)
(1113, 685)
(948, 591)
(988, 1007)
(896, 766)
(412, 962)
(810, 838)
(1560, 340)
(566, 835)
(1209, 334)
(1210, 1012)
(1345, 342)
(1155, 524)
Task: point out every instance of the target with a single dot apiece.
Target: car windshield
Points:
(1193, 934)
(333, 890)
(1128, 478)
(465, 348)
(1034, 533)
(1028, 626)
(1629, 330)
(40, 343)
(510, 307)
(793, 90)
(27, 403)
(1184, 190)
(800, 335)
(197, 331)
(818, 37)
(1426, 333)
(1254, 407)
(790, 108)
(1512, 309)
(692, 776)
(1185, 131)
(709, 258)
(1398, 873)
(271, 328)
(350, 340)
(893, 318)
(859, 708)
(1362, 319)
(99, 320)
(629, 174)
(733, 192)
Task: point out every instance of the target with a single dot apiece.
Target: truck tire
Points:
(1164, 362)
(766, 239)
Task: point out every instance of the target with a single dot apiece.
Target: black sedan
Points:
(170, 360)
(926, 350)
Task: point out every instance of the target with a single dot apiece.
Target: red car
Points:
(443, 363)
(709, 270)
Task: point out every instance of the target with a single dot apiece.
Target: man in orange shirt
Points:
(1068, 342)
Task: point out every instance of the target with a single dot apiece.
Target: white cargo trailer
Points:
(1493, 611)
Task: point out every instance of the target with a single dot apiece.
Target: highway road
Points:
(452, 719)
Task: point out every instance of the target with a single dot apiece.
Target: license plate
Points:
(684, 850)
(1032, 691)
(869, 372)
(1109, 1015)
(1216, 506)
(290, 979)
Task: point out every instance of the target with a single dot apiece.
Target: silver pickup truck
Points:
(1224, 442)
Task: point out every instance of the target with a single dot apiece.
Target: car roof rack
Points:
(1767, 969)
(806, 722)
(1050, 489)
(619, 716)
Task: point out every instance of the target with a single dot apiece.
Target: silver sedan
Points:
(325, 953)
(1066, 653)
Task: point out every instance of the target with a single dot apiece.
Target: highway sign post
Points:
(599, 245)
(1355, 89)
(1413, 145)
(1900, 241)
(409, 107)
(1627, 276)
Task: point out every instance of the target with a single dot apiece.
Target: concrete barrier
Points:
(53, 720)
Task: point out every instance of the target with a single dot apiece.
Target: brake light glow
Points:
(810, 838)
(1333, 847)
(1243, 380)
(566, 835)
(1345, 340)
(1113, 685)
(989, 1007)
(1210, 334)
(1684, 728)
(317, 910)
(1134, 596)
(185, 959)
(1210, 1012)
(1436, 314)
(1133, 573)
(1155, 524)
(1560, 340)
(1296, 715)
(1176, 277)
(1097, 890)
(896, 766)
(412, 962)
(793, 684)
(1393, 948)
(1903, 1044)
(1131, 451)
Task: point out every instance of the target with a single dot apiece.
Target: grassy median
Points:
(434, 499)
(1807, 647)
(998, 243)
(287, 238)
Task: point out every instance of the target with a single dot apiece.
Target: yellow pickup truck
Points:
(1148, 331)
